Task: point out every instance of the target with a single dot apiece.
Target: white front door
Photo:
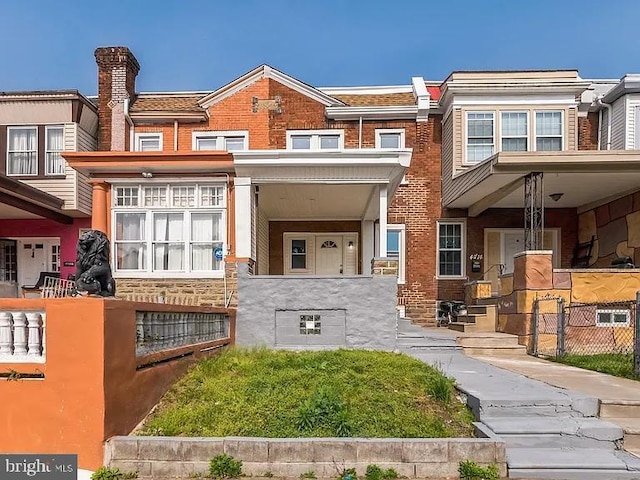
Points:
(329, 255)
(36, 255)
(513, 242)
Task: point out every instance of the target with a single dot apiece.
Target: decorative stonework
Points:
(384, 266)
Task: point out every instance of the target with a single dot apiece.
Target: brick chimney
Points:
(117, 71)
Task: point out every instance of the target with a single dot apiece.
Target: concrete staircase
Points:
(479, 318)
(490, 343)
(625, 414)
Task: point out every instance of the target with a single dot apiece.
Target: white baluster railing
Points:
(22, 337)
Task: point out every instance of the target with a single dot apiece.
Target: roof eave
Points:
(401, 112)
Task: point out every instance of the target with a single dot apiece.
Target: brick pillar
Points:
(117, 71)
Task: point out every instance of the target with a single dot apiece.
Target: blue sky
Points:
(201, 45)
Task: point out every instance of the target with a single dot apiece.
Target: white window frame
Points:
(466, 135)
(220, 137)
(525, 136)
(149, 212)
(315, 138)
(612, 312)
(463, 248)
(402, 250)
(48, 151)
(21, 127)
(139, 136)
(382, 131)
(534, 146)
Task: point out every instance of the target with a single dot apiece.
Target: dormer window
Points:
(480, 136)
(315, 139)
(549, 131)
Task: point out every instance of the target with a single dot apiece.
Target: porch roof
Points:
(104, 164)
(584, 178)
(19, 200)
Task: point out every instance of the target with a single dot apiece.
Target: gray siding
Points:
(447, 156)
(618, 125)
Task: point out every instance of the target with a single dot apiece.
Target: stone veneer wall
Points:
(616, 226)
(534, 277)
(183, 291)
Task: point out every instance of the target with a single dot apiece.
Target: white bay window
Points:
(169, 229)
(22, 151)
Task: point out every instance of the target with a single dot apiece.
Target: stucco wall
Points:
(369, 304)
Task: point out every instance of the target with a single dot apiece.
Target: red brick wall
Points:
(588, 132)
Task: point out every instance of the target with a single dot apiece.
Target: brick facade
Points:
(588, 132)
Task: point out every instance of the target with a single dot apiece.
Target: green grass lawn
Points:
(266, 393)
(618, 364)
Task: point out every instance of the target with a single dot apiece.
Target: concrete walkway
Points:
(550, 432)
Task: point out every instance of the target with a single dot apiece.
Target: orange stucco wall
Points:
(91, 388)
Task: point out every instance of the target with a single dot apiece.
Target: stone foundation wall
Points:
(182, 291)
(291, 457)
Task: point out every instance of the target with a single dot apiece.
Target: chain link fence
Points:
(592, 332)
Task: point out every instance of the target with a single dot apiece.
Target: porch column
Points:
(382, 244)
(242, 198)
(368, 241)
(100, 206)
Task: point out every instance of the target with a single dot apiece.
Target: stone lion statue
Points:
(93, 271)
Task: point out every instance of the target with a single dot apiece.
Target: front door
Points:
(329, 255)
(512, 243)
(36, 255)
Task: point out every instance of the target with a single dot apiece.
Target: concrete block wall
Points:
(291, 457)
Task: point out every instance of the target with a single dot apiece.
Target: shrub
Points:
(374, 472)
(348, 474)
(469, 470)
(324, 409)
(108, 473)
(225, 466)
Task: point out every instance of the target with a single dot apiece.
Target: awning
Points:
(580, 178)
(19, 201)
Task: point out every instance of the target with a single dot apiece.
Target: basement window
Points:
(310, 325)
(610, 317)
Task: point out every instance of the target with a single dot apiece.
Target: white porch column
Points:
(243, 216)
(382, 244)
(368, 241)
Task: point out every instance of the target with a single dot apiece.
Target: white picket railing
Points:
(22, 337)
(157, 331)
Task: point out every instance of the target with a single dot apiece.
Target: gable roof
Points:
(266, 71)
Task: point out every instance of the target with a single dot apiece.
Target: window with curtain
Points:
(22, 151)
(480, 141)
(54, 164)
(548, 131)
(169, 228)
(514, 131)
(450, 249)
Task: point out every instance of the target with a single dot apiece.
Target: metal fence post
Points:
(534, 328)
(636, 338)
(560, 331)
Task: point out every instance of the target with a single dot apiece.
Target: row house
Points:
(44, 204)
(283, 180)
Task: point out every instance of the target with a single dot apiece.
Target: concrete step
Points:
(572, 463)
(477, 309)
(519, 350)
(487, 301)
(620, 409)
(489, 341)
(462, 327)
(631, 429)
(576, 432)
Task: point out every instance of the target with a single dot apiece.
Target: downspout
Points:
(175, 137)
(609, 120)
(360, 132)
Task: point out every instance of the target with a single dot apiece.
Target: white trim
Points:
(519, 100)
(220, 136)
(463, 249)
(423, 98)
(266, 71)
(138, 136)
(311, 253)
(21, 127)
(465, 160)
(402, 249)
(367, 90)
(392, 112)
(382, 131)
(611, 312)
(315, 138)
